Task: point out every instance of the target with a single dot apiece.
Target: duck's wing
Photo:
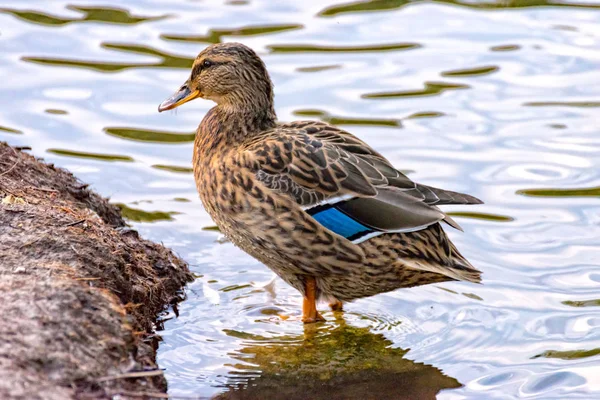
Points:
(344, 184)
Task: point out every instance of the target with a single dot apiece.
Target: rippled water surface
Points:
(497, 99)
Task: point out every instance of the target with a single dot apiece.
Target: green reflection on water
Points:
(569, 354)
(330, 362)
(318, 68)
(566, 28)
(557, 126)
(137, 215)
(254, 337)
(90, 14)
(477, 71)
(446, 290)
(150, 136)
(425, 114)
(174, 168)
(483, 216)
(94, 156)
(310, 48)
(381, 5)
(326, 117)
(431, 89)
(166, 60)
(95, 65)
(582, 303)
(55, 111)
(232, 288)
(583, 104)
(10, 130)
(505, 47)
(550, 192)
(216, 35)
(361, 6)
(472, 296)
(310, 113)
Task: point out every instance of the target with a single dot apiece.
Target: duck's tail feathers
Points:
(462, 268)
(444, 258)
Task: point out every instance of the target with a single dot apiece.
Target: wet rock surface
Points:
(79, 291)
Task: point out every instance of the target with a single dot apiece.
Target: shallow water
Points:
(497, 99)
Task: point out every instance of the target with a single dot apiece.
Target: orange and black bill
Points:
(183, 95)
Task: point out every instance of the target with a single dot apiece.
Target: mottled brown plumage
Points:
(326, 212)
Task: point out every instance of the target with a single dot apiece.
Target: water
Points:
(499, 100)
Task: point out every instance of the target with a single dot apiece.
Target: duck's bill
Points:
(183, 95)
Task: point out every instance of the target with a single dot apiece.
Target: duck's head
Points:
(230, 74)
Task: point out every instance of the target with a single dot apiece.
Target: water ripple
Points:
(106, 15)
(495, 99)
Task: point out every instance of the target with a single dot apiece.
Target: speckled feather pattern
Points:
(260, 209)
(259, 181)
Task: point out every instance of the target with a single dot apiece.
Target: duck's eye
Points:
(207, 64)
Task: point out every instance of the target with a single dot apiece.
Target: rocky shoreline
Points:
(79, 291)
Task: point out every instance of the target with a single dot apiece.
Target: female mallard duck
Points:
(330, 215)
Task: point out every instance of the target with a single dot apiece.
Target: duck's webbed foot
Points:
(309, 305)
(336, 305)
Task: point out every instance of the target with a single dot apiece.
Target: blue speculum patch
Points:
(340, 223)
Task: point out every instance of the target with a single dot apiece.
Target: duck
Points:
(330, 215)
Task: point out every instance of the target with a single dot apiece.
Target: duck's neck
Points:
(226, 126)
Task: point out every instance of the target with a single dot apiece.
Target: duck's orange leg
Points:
(309, 305)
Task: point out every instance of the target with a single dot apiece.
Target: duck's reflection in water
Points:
(332, 362)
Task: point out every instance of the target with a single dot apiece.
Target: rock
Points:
(79, 293)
